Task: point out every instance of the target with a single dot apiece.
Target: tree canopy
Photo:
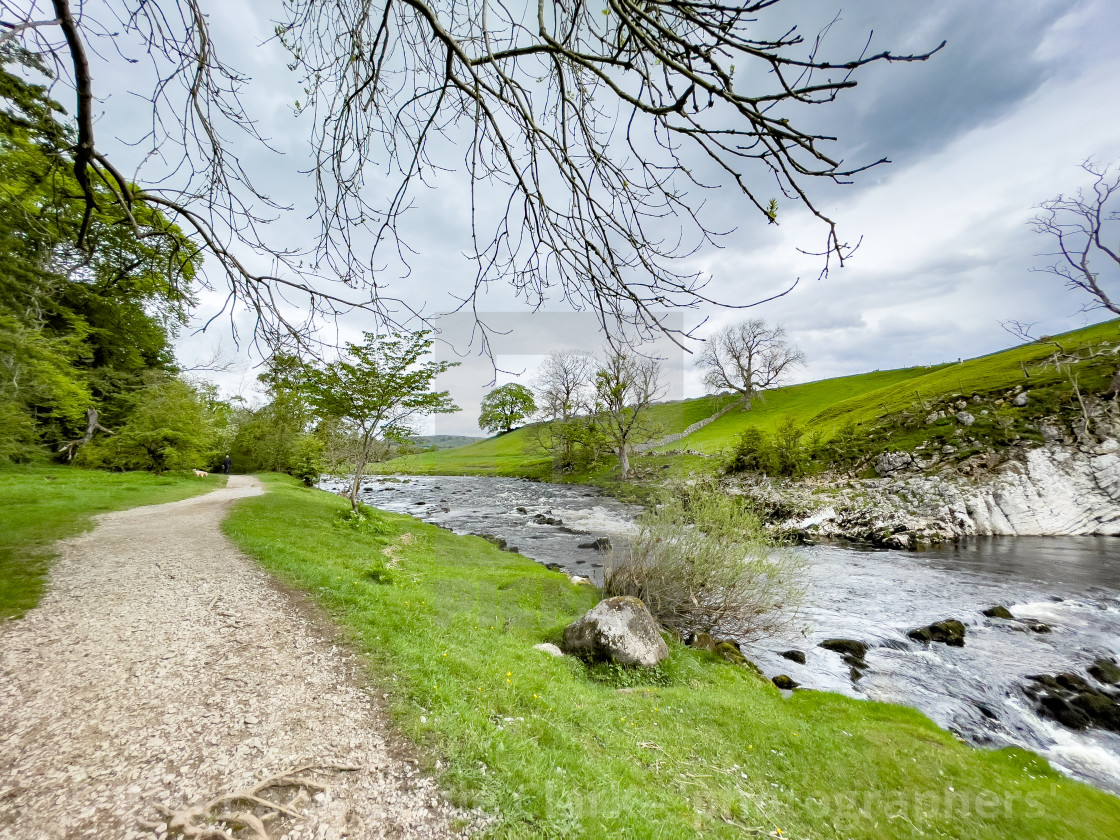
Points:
(80, 328)
(505, 407)
(749, 357)
(375, 390)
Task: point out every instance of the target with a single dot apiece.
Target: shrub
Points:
(789, 455)
(701, 562)
(753, 453)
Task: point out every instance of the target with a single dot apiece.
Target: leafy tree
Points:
(375, 391)
(82, 328)
(505, 407)
(749, 357)
(169, 427)
(626, 386)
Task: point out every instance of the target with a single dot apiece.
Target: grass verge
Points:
(698, 748)
(42, 504)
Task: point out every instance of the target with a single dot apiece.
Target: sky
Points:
(978, 136)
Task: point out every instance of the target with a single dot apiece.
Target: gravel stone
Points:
(164, 668)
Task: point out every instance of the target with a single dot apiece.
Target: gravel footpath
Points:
(164, 670)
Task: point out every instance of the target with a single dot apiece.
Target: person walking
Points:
(227, 464)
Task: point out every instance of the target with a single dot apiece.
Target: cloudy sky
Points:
(978, 136)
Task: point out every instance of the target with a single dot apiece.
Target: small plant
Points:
(702, 562)
(363, 520)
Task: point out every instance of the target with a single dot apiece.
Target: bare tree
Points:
(626, 386)
(596, 136)
(749, 357)
(564, 385)
(1085, 227)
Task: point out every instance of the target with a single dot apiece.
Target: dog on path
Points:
(201, 473)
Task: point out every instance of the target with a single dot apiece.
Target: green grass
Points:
(803, 402)
(39, 505)
(885, 408)
(699, 748)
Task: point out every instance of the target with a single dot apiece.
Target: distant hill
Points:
(447, 441)
(896, 410)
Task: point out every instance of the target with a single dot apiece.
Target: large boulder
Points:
(619, 630)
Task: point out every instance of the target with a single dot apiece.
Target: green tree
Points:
(82, 328)
(374, 393)
(505, 407)
(170, 426)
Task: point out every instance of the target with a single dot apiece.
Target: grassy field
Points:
(39, 505)
(698, 748)
(886, 408)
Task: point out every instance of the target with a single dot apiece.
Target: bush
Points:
(789, 456)
(701, 562)
(753, 453)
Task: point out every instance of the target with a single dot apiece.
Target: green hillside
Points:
(803, 402)
(886, 409)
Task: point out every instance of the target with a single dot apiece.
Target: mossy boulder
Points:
(999, 612)
(702, 641)
(619, 630)
(1105, 671)
(948, 632)
(846, 647)
(794, 656)
(783, 681)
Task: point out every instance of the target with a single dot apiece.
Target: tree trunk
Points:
(624, 461)
(92, 425)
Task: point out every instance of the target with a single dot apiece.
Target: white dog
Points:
(201, 473)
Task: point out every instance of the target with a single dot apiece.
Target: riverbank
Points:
(552, 748)
(42, 504)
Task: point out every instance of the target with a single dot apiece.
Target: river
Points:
(1071, 584)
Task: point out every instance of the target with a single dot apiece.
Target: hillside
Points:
(868, 413)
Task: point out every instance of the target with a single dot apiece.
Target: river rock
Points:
(1105, 671)
(846, 647)
(600, 544)
(783, 681)
(950, 632)
(619, 630)
(999, 612)
(1070, 700)
(542, 519)
(793, 656)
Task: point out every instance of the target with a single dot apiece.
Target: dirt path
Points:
(164, 668)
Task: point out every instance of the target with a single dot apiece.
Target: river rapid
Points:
(1071, 584)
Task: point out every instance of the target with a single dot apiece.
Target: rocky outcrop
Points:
(1057, 489)
(619, 630)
